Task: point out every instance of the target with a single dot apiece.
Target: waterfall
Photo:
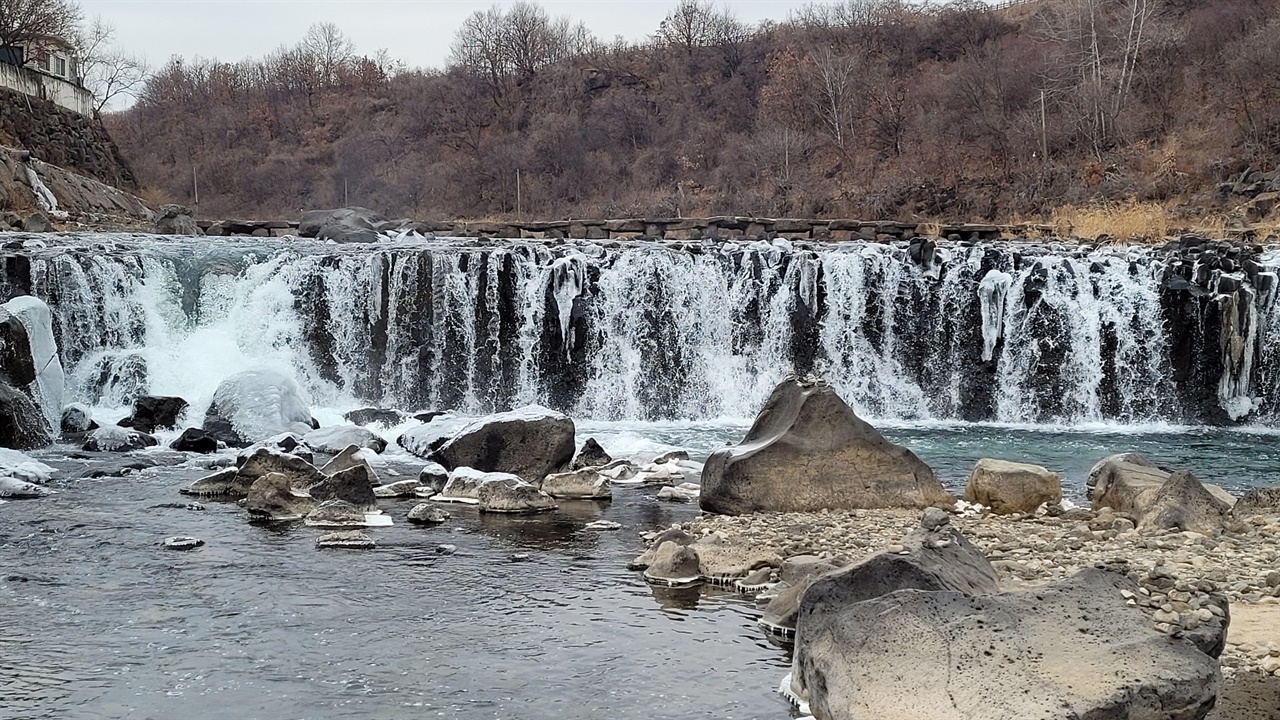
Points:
(994, 332)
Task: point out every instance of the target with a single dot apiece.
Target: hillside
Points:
(865, 108)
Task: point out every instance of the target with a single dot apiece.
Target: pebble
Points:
(446, 549)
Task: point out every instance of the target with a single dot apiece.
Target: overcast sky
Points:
(417, 32)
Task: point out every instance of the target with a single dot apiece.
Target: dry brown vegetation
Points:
(864, 108)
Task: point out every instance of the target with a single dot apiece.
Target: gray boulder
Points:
(673, 565)
(590, 456)
(433, 476)
(1062, 652)
(352, 485)
(1010, 487)
(37, 222)
(585, 484)
(17, 364)
(350, 457)
(1257, 501)
(646, 558)
(1156, 498)
(335, 514)
(427, 514)
(937, 558)
(339, 233)
(1183, 502)
(77, 419)
(531, 442)
(274, 497)
(176, 220)
(236, 482)
(807, 451)
(256, 404)
(350, 218)
(513, 498)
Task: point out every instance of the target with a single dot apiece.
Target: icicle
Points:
(992, 292)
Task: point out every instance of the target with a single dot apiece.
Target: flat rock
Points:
(584, 484)
(352, 539)
(1065, 651)
(427, 514)
(337, 438)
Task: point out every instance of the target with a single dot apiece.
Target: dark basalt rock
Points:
(195, 440)
(152, 412)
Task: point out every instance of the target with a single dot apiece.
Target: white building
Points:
(48, 70)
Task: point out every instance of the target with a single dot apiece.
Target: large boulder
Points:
(151, 412)
(436, 430)
(935, 557)
(1010, 487)
(22, 425)
(1183, 502)
(235, 482)
(1258, 501)
(590, 456)
(256, 404)
(50, 381)
(1061, 652)
(1157, 498)
(176, 220)
(195, 440)
(1126, 483)
(807, 451)
(531, 442)
(464, 484)
(352, 221)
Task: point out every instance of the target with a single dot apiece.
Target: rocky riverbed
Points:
(1177, 572)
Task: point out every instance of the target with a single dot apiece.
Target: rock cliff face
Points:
(63, 138)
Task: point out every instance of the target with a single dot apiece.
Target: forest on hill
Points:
(874, 109)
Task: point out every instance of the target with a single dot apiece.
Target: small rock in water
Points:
(427, 514)
(403, 488)
(519, 557)
(181, 542)
(602, 525)
(677, 494)
(346, 539)
(446, 549)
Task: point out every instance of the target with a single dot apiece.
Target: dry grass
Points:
(1129, 221)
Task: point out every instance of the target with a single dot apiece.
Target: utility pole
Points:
(519, 199)
(346, 197)
(1044, 132)
(195, 185)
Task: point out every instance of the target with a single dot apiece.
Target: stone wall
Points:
(64, 138)
(46, 87)
(674, 229)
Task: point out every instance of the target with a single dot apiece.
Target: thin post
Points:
(346, 197)
(519, 198)
(195, 184)
(1044, 132)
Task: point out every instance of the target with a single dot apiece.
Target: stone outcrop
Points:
(531, 442)
(352, 485)
(1184, 503)
(807, 450)
(1069, 650)
(64, 138)
(1010, 487)
(256, 404)
(22, 424)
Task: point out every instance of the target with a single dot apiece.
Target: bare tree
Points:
(106, 70)
(834, 84)
(328, 49)
(24, 22)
